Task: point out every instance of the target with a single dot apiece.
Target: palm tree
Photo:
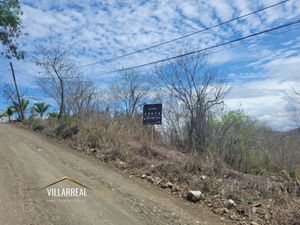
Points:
(41, 108)
(24, 104)
(8, 112)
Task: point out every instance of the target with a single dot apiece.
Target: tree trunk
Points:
(62, 98)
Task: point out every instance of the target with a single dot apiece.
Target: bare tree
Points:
(9, 93)
(198, 89)
(81, 97)
(174, 118)
(130, 91)
(58, 71)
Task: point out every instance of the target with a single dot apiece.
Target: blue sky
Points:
(261, 70)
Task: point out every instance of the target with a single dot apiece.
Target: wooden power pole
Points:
(17, 91)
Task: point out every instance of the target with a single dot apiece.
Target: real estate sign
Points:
(152, 114)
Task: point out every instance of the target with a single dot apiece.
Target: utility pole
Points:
(17, 91)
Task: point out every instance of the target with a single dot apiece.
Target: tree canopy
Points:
(10, 27)
(41, 108)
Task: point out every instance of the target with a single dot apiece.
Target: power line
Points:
(185, 36)
(214, 52)
(210, 53)
(204, 49)
(261, 38)
(166, 42)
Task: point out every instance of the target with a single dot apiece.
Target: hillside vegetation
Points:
(253, 166)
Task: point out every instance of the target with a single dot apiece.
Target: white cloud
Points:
(284, 68)
(223, 10)
(264, 100)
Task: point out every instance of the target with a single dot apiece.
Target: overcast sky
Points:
(261, 70)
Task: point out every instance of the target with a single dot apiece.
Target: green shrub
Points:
(38, 126)
(66, 127)
(35, 124)
(53, 115)
(93, 138)
(242, 143)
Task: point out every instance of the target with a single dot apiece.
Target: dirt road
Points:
(29, 162)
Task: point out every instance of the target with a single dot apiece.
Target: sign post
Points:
(152, 115)
(152, 136)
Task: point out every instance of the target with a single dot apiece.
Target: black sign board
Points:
(152, 114)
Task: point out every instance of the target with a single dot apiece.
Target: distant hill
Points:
(294, 132)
